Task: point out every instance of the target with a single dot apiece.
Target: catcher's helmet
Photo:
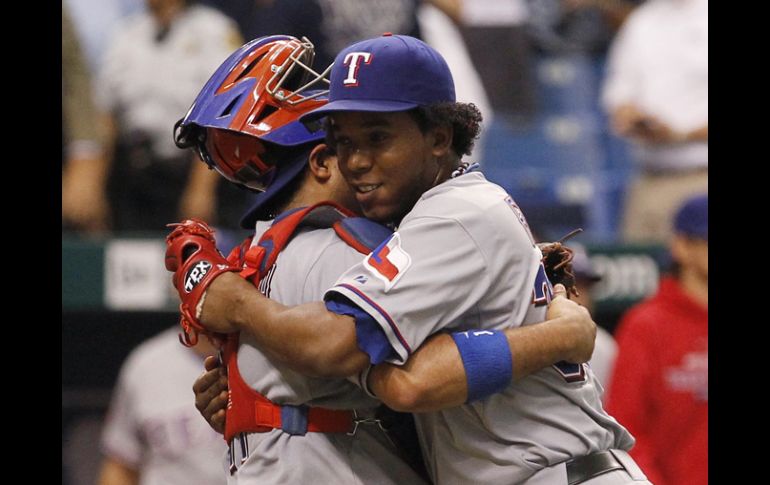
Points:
(249, 109)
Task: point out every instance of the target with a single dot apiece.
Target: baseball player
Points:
(152, 435)
(269, 283)
(241, 125)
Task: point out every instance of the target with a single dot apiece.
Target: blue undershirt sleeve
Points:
(369, 335)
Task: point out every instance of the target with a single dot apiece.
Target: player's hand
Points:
(211, 394)
(192, 255)
(579, 319)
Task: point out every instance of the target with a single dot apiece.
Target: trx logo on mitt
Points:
(195, 275)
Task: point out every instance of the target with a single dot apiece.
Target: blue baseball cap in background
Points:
(692, 219)
(387, 74)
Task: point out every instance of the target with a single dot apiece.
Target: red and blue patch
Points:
(388, 262)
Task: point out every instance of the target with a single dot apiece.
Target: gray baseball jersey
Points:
(462, 259)
(152, 424)
(309, 264)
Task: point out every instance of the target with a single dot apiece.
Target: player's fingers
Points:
(559, 290)
(217, 404)
(217, 421)
(211, 362)
(204, 399)
(206, 380)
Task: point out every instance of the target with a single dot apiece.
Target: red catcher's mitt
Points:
(193, 257)
(557, 259)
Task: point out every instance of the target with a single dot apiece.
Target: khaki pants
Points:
(653, 200)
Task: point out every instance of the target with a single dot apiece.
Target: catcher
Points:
(271, 449)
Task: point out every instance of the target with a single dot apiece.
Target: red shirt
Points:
(659, 386)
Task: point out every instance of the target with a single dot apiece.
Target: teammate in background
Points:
(223, 124)
(152, 434)
(244, 124)
(660, 383)
(463, 258)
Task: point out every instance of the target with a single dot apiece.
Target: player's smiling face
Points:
(387, 160)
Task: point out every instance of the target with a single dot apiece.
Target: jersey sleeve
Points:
(417, 282)
(369, 335)
(121, 438)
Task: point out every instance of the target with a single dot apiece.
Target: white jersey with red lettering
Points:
(310, 263)
(464, 258)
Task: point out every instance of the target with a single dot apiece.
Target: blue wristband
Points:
(487, 360)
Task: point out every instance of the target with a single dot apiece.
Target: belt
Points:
(586, 467)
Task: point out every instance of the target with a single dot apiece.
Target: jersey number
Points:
(543, 290)
(542, 294)
(571, 372)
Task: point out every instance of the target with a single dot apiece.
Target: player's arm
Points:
(314, 341)
(435, 377)
(115, 472)
(308, 338)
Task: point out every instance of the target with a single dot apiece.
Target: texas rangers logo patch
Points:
(195, 275)
(389, 261)
(354, 60)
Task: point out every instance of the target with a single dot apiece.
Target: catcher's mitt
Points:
(557, 260)
(193, 257)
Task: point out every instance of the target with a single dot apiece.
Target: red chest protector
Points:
(248, 410)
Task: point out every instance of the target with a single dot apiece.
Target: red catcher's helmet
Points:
(249, 109)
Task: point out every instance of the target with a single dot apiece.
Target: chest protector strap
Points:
(248, 410)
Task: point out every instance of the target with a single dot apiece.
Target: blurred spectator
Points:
(656, 92)
(330, 24)
(495, 32)
(614, 12)
(439, 30)
(606, 348)
(153, 68)
(84, 166)
(659, 387)
(95, 20)
(153, 434)
(572, 26)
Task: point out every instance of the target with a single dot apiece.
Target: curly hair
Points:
(465, 119)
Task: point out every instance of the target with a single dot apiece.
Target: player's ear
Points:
(321, 162)
(442, 136)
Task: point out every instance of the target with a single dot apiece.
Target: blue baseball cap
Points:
(387, 74)
(692, 219)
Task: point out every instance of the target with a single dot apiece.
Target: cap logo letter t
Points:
(353, 61)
